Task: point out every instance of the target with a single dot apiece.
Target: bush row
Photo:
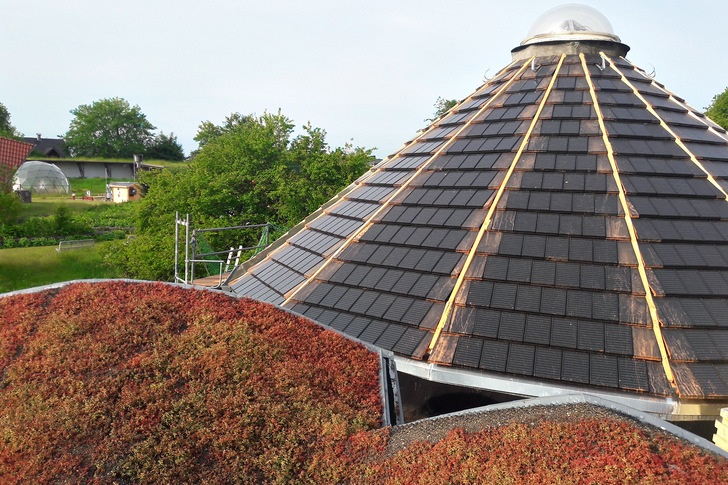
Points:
(32, 242)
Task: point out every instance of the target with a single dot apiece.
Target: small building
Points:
(125, 191)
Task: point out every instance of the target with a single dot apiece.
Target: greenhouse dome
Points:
(41, 178)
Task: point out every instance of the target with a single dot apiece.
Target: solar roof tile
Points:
(547, 363)
(590, 336)
(603, 370)
(494, 355)
(391, 335)
(373, 331)
(512, 326)
(410, 340)
(575, 367)
(520, 359)
(504, 296)
(468, 352)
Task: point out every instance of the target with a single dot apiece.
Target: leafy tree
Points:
(165, 147)
(208, 131)
(108, 128)
(442, 106)
(7, 130)
(718, 109)
(253, 172)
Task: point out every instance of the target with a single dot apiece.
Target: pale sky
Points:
(363, 70)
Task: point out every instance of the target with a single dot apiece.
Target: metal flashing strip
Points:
(665, 126)
(321, 211)
(630, 227)
(524, 386)
(491, 210)
(386, 203)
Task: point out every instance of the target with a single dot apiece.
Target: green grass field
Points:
(43, 206)
(22, 268)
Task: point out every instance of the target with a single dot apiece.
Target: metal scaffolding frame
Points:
(191, 245)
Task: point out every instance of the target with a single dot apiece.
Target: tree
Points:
(108, 128)
(165, 147)
(442, 106)
(718, 109)
(207, 131)
(7, 130)
(253, 172)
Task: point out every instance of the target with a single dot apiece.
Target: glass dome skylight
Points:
(570, 22)
(41, 178)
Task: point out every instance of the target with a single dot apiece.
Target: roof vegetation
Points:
(120, 382)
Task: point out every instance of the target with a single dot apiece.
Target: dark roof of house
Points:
(12, 154)
(49, 147)
(567, 223)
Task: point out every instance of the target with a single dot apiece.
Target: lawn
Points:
(43, 206)
(22, 268)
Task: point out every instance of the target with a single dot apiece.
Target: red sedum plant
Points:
(150, 383)
(587, 451)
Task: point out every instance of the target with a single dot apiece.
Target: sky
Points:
(367, 72)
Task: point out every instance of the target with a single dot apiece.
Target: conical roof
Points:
(563, 226)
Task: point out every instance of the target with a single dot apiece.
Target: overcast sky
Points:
(363, 70)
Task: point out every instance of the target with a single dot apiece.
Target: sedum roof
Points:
(567, 222)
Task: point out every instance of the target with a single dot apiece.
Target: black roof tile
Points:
(467, 352)
(494, 355)
(547, 363)
(520, 359)
(575, 367)
(553, 289)
(410, 340)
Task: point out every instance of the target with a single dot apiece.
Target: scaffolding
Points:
(198, 250)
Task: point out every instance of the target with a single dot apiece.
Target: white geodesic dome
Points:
(41, 178)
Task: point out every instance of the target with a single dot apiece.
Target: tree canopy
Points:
(7, 130)
(165, 147)
(208, 131)
(442, 106)
(718, 109)
(254, 171)
(108, 128)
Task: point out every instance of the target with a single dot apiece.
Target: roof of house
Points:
(124, 184)
(50, 147)
(12, 154)
(566, 223)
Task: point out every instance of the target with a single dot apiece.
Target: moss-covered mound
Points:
(154, 383)
(150, 383)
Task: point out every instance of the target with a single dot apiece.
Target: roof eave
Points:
(558, 47)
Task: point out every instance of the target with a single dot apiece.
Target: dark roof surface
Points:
(519, 232)
(50, 147)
